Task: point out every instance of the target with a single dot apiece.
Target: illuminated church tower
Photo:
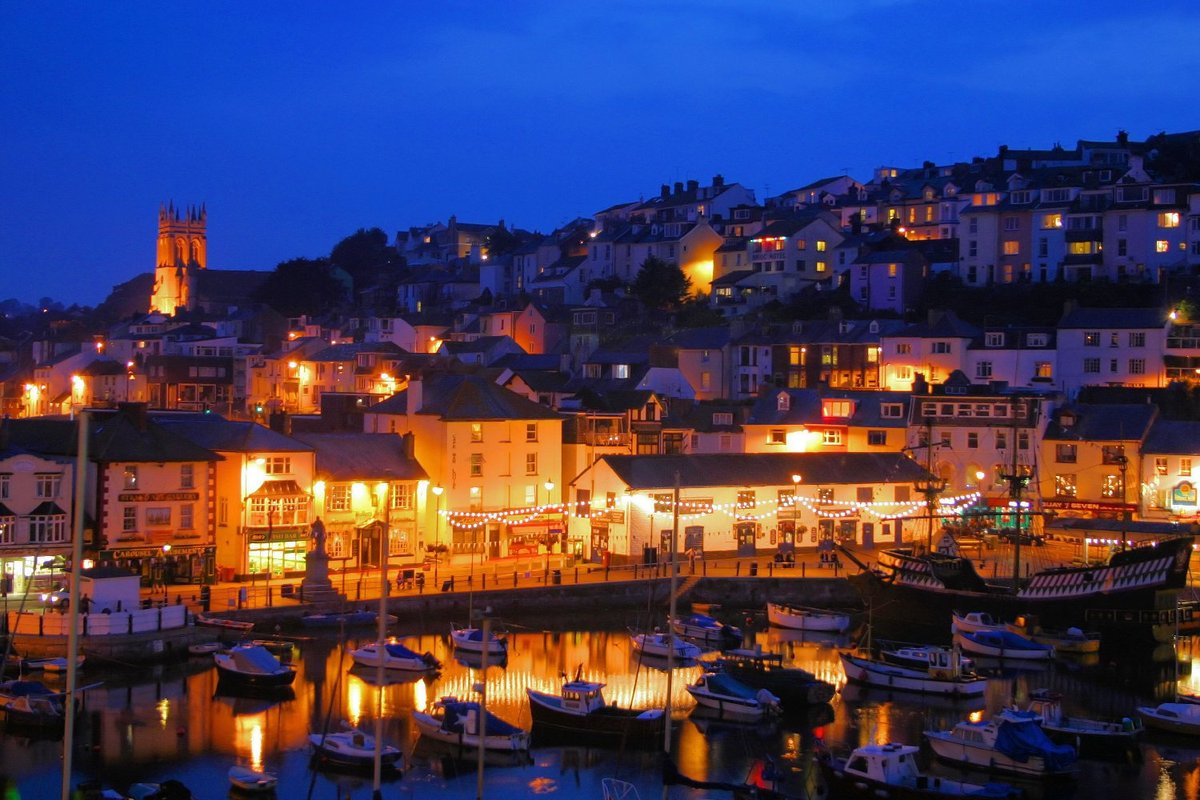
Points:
(182, 250)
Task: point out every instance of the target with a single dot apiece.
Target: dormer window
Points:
(841, 409)
(783, 402)
(722, 418)
(993, 339)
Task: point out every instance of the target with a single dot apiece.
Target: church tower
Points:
(182, 250)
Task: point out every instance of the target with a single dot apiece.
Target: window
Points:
(48, 484)
(476, 432)
(940, 347)
(129, 519)
(877, 438)
(1168, 219)
(972, 440)
(338, 498)
(783, 402)
(5, 485)
(1137, 366)
(972, 247)
(1064, 485)
(223, 511)
(831, 437)
(993, 339)
(891, 410)
(1161, 246)
(1022, 440)
(277, 465)
(583, 502)
(821, 245)
(1012, 223)
(983, 370)
(1091, 366)
(531, 432)
(1112, 454)
(1122, 247)
(1137, 339)
(1043, 247)
(837, 408)
(1001, 440)
(187, 476)
(1050, 221)
(131, 477)
(530, 464)
(1185, 467)
(1111, 486)
(476, 465)
(475, 498)
(621, 371)
(776, 436)
(1012, 248)
(903, 349)
(1160, 465)
(185, 517)
(1091, 338)
(48, 528)
(402, 496)
(1037, 339)
(158, 517)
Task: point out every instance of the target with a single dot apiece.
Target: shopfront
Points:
(32, 574)
(166, 565)
(277, 551)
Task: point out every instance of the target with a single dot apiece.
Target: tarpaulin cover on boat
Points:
(723, 684)
(456, 716)
(1020, 740)
(397, 650)
(255, 659)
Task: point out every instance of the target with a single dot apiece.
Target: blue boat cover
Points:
(255, 659)
(702, 621)
(719, 683)
(1007, 640)
(1020, 740)
(25, 688)
(397, 650)
(455, 715)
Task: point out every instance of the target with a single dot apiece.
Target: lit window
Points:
(338, 498)
(821, 244)
(1052, 221)
(831, 437)
(1185, 467)
(1161, 246)
(476, 432)
(1064, 485)
(131, 477)
(476, 465)
(530, 464)
(1160, 466)
(1012, 248)
(1168, 219)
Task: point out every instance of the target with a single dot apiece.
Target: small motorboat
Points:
(253, 666)
(204, 648)
(580, 713)
(731, 698)
(457, 722)
(1072, 641)
(223, 622)
(395, 656)
(471, 640)
(32, 704)
(352, 749)
(660, 645)
(890, 770)
(247, 780)
(973, 622)
(917, 656)
(1012, 741)
(707, 629)
(804, 618)
(942, 674)
(1003, 644)
(1181, 718)
(1089, 737)
(795, 687)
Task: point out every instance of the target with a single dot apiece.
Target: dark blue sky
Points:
(298, 123)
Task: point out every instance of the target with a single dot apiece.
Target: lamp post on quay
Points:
(549, 487)
(437, 531)
(796, 478)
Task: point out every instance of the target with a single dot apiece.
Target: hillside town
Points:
(1005, 344)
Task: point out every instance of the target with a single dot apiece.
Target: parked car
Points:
(56, 597)
(1011, 536)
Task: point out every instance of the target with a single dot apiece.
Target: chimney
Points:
(666, 191)
(136, 412)
(693, 186)
(408, 442)
(678, 187)
(919, 384)
(718, 181)
(416, 395)
(280, 422)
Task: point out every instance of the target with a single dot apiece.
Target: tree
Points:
(660, 285)
(302, 286)
(500, 241)
(363, 255)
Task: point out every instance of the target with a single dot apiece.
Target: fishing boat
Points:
(974, 622)
(471, 640)
(1131, 595)
(1004, 645)
(917, 656)
(32, 705)
(1177, 717)
(395, 656)
(709, 630)
(457, 722)
(1072, 641)
(337, 619)
(253, 666)
(252, 781)
(223, 622)
(352, 749)
(1012, 741)
(803, 618)
(659, 645)
(1089, 737)
(890, 770)
(793, 686)
(580, 712)
(943, 674)
(731, 698)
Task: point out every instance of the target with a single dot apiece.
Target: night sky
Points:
(298, 123)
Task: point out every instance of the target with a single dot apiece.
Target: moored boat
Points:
(731, 698)
(1181, 718)
(805, 618)
(659, 645)
(32, 704)
(890, 770)
(223, 622)
(253, 666)
(1089, 737)
(917, 656)
(245, 779)
(974, 622)
(457, 722)
(353, 749)
(1003, 644)
(793, 686)
(337, 619)
(395, 656)
(471, 640)
(943, 674)
(580, 712)
(1072, 641)
(707, 629)
(1012, 741)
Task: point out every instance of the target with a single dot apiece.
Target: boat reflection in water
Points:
(174, 723)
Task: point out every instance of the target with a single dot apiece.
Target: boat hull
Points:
(890, 676)
(950, 748)
(801, 619)
(738, 708)
(858, 787)
(977, 647)
(431, 728)
(609, 725)
(470, 640)
(794, 687)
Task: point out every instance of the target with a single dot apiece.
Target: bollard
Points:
(704, 568)
(801, 569)
(577, 574)
(737, 569)
(771, 568)
(514, 579)
(483, 582)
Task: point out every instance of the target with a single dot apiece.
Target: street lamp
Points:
(437, 531)
(796, 478)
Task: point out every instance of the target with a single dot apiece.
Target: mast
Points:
(670, 623)
(81, 456)
(380, 634)
(1017, 478)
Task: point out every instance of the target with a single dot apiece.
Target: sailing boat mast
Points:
(671, 621)
(1018, 478)
(81, 456)
(380, 634)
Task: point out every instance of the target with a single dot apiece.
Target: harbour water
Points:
(174, 721)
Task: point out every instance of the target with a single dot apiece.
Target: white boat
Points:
(352, 749)
(804, 618)
(248, 780)
(253, 665)
(1172, 717)
(1090, 737)
(1003, 644)
(1012, 741)
(457, 722)
(707, 629)
(223, 622)
(471, 640)
(204, 648)
(731, 698)
(943, 675)
(890, 770)
(395, 656)
(659, 645)
(917, 656)
(973, 622)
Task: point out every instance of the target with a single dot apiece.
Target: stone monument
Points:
(316, 586)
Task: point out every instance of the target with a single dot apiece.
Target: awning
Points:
(5, 512)
(287, 488)
(47, 509)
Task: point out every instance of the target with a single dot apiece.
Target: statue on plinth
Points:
(318, 536)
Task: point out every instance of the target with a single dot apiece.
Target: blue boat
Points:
(1003, 644)
(338, 618)
(709, 630)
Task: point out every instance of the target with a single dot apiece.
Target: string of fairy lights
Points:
(784, 508)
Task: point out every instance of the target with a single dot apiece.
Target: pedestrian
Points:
(85, 604)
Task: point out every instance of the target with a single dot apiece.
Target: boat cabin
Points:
(582, 697)
(886, 763)
(944, 663)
